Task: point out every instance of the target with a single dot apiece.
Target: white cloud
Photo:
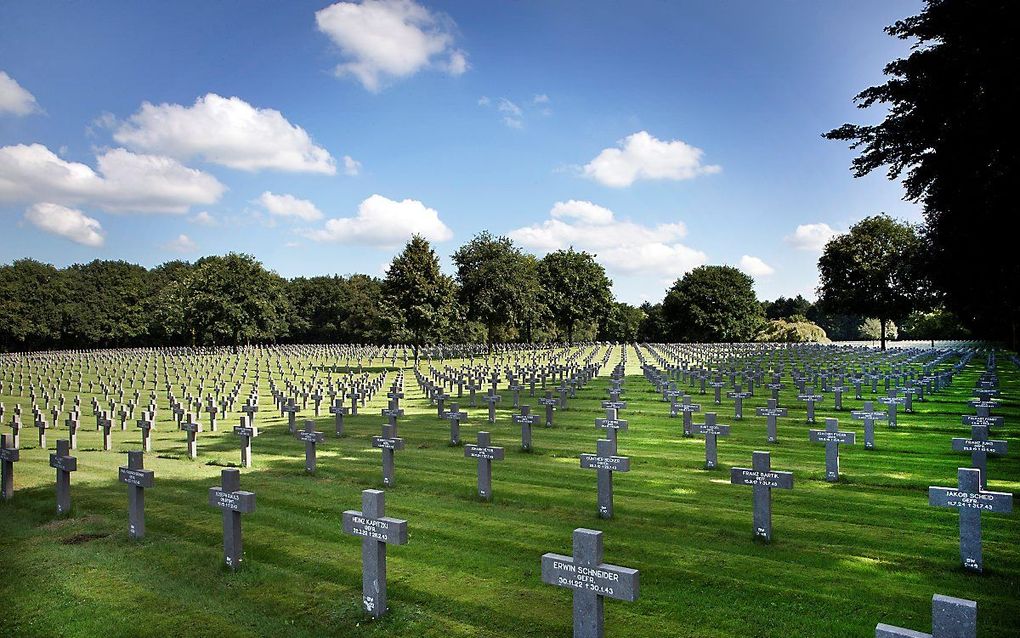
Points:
(225, 131)
(755, 267)
(182, 244)
(384, 222)
(352, 166)
(203, 218)
(70, 223)
(509, 108)
(14, 99)
(390, 39)
(642, 156)
(484, 101)
(541, 98)
(289, 206)
(513, 122)
(624, 247)
(812, 237)
(123, 182)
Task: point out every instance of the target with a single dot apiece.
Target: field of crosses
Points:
(721, 490)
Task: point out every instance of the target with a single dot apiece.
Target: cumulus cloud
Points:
(812, 237)
(352, 166)
(390, 39)
(289, 206)
(642, 156)
(755, 266)
(122, 182)
(181, 244)
(203, 218)
(225, 131)
(14, 99)
(384, 222)
(69, 223)
(623, 246)
(540, 98)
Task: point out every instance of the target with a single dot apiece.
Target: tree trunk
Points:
(882, 328)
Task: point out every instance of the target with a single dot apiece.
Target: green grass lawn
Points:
(844, 557)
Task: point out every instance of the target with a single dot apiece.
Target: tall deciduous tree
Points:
(713, 304)
(576, 288)
(494, 283)
(31, 295)
(952, 103)
(105, 303)
(622, 323)
(874, 270)
(419, 297)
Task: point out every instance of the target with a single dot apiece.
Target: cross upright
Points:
(980, 447)
(310, 438)
(455, 417)
(138, 479)
(605, 462)
(338, 411)
(440, 398)
(104, 422)
(145, 426)
(355, 395)
(971, 500)
(9, 455)
(892, 400)
(249, 410)
(763, 479)
(810, 398)
(229, 497)
(738, 397)
(212, 410)
(486, 453)
(40, 424)
(492, 399)
(831, 436)
(247, 432)
(711, 431)
(611, 424)
(686, 408)
(64, 464)
(16, 431)
(392, 412)
(592, 581)
(317, 397)
(192, 427)
(950, 618)
(526, 419)
(550, 406)
(389, 442)
(869, 415)
(291, 410)
(563, 390)
(376, 531)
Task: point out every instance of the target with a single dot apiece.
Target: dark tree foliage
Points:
(653, 328)
(105, 303)
(874, 269)
(419, 298)
(576, 287)
(952, 103)
(32, 295)
(712, 303)
(786, 307)
(622, 323)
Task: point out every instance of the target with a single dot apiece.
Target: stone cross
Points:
(234, 502)
(592, 581)
(145, 426)
(64, 464)
(486, 454)
(711, 431)
(950, 618)
(770, 413)
(550, 405)
(526, 419)
(388, 443)
(892, 401)
(971, 500)
(832, 437)
(16, 431)
(611, 424)
(980, 447)
(138, 480)
(376, 531)
(40, 424)
(250, 409)
(455, 417)
(686, 408)
(717, 385)
(763, 480)
(338, 411)
(492, 399)
(9, 455)
(247, 432)
(106, 424)
(291, 410)
(869, 415)
(738, 397)
(310, 438)
(605, 462)
(810, 398)
(192, 428)
(392, 412)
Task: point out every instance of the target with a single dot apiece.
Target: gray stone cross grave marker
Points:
(317, 397)
(738, 397)
(212, 410)
(145, 426)
(775, 386)
(440, 398)
(832, 437)
(770, 413)
(717, 385)
(104, 422)
(810, 398)
(686, 408)
(492, 399)
(389, 442)
(41, 425)
(392, 412)
(983, 407)
(250, 409)
(980, 447)
(611, 424)
(192, 427)
(486, 454)
(592, 581)
(291, 410)
(525, 419)
(550, 406)
(64, 464)
(614, 404)
(892, 401)
(71, 422)
(711, 431)
(563, 391)
(338, 410)
(234, 502)
(9, 455)
(950, 618)
(16, 431)
(310, 438)
(516, 388)
(763, 479)
(455, 417)
(837, 397)
(869, 415)
(138, 479)
(971, 500)
(376, 531)
(605, 462)
(247, 432)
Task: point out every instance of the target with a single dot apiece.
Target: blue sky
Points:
(659, 135)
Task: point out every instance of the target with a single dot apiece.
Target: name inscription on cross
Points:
(455, 417)
(869, 415)
(526, 420)
(971, 500)
(738, 397)
(711, 431)
(591, 580)
(229, 497)
(891, 401)
(611, 424)
(486, 453)
(980, 447)
(550, 406)
(388, 443)
(138, 479)
(810, 398)
(376, 531)
(686, 408)
(770, 413)
(832, 437)
(605, 462)
(763, 479)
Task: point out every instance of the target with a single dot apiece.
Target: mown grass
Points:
(845, 556)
